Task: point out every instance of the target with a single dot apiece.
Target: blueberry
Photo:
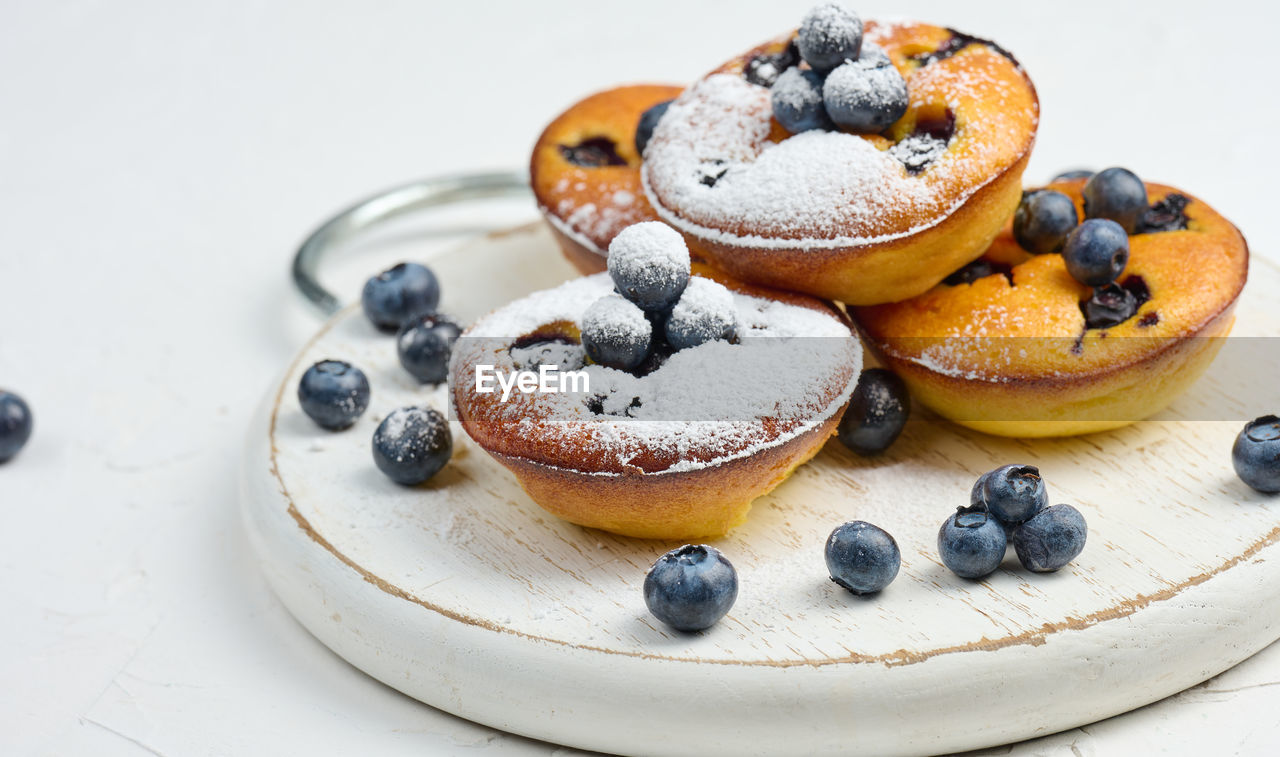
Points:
(1011, 493)
(691, 588)
(1096, 252)
(829, 35)
(1075, 173)
(1256, 454)
(1116, 194)
(615, 333)
(648, 120)
(593, 152)
(398, 293)
(876, 414)
(797, 101)
(764, 70)
(978, 269)
(971, 542)
(865, 96)
(1043, 221)
(424, 344)
(333, 394)
(649, 264)
(15, 424)
(705, 313)
(862, 558)
(1168, 214)
(873, 55)
(1052, 538)
(412, 444)
(531, 353)
(1109, 306)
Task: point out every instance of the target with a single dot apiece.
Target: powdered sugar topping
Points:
(613, 318)
(826, 189)
(705, 405)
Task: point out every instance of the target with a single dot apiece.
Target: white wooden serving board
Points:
(465, 595)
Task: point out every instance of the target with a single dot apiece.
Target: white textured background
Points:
(159, 162)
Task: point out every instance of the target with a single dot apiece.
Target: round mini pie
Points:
(677, 450)
(585, 171)
(1006, 347)
(863, 219)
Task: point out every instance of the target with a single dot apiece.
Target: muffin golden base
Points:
(695, 504)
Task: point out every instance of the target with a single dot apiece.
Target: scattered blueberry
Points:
(1075, 173)
(1096, 252)
(918, 151)
(333, 394)
(1052, 538)
(1043, 221)
(978, 269)
(15, 424)
(615, 333)
(399, 293)
(412, 444)
(866, 96)
(1110, 305)
(711, 171)
(648, 120)
(424, 344)
(530, 354)
(829, 35)
(1256, 454)
(691, 588)
(971, 542)
(1011, 493)
(876, 414)
(593, 152)
(862, 558)
(1168, 214)
(649, 264)
(706, 312)
(1116, 194)
(764, 70)
(797, 101)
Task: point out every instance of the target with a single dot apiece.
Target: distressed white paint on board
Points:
(466, 595)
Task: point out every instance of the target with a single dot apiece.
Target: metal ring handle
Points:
(385, 206)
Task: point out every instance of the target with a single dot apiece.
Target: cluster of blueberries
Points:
(657, 307)
(692, 587)
(1096, 250)
(1007, 504)
(847, 85)
(411, 444)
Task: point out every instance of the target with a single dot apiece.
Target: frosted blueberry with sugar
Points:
(616, 333)
(796, 99)
(792, 369)
(649, 264)
(829, 35)
(706, 312)
(866, 95)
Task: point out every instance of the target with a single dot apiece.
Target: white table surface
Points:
(160, 161)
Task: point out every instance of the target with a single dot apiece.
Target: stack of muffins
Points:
(879, 166)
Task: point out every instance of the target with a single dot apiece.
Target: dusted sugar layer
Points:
(718, 168)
